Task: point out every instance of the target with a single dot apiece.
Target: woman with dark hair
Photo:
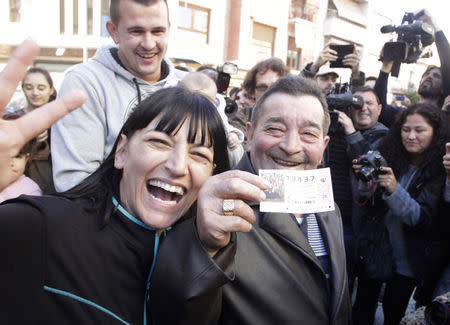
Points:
(406, 196)
(37, 85)
(38, 88)
(86, 256)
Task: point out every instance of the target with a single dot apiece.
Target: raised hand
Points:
(327, 54)
(213, 226)
(15, 133)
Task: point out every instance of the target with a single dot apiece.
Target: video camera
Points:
(371, 163)
(340, 98)
(412, 37)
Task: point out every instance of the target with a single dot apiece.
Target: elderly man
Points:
(238, 265)
(116, 79)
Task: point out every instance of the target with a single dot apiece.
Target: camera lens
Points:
(366, 173)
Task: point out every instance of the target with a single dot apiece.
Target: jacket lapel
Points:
(328, 223)
(283, 226)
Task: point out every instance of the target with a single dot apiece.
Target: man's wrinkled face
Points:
(288, 134)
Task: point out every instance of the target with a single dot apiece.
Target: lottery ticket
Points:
(298, 191)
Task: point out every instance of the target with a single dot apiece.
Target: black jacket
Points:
(61, 266)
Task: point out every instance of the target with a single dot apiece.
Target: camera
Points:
(340, 98)
(412, 36)
(437, 313)
(224, 75)
(371, 163)
(230, 106)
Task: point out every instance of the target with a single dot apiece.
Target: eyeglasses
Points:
(261, 87)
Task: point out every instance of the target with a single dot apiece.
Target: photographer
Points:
(315, 70)
(355, 135)
(362, 129)
(434, 85)
(398, 236)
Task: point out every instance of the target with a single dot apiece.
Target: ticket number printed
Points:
(298, 191)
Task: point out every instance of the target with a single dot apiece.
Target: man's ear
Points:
(121, 152)
(249, 128)
(113, 32)
(326, 140)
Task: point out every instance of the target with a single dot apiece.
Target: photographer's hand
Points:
(425, 16)
(325, 55)
(387, 180)
(446, 105)
(352, 60)
(356, 167)
(446, 160)
(346, 123)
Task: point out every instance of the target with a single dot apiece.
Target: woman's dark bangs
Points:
(198, 122)
(172, 106)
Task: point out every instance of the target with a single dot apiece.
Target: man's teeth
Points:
(284, 162)
(167, 187)
(147, 56)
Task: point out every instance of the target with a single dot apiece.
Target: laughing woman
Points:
(86, 256)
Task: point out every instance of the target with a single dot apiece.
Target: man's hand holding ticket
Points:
(298, 191)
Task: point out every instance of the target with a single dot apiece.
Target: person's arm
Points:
(357, 78)
(306, 72)
(327, 54)
(381, 83)
(186, 284)
(78, 140)
(443, 49)
(388, 112)
(446, 163)
(419, 211)
(196, 259)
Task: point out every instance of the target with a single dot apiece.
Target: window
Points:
(14, 10)
(75, 17)
(303, 10)
(294, 55)
(62, 21)
(263, 39)
(90, 14)
(193, 23)
(105, 17)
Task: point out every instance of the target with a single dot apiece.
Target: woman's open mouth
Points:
(165, 193)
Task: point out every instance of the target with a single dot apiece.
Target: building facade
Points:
(211, 32)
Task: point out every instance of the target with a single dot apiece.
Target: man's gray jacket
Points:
(267, 276)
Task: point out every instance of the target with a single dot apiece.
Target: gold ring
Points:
(228, 207)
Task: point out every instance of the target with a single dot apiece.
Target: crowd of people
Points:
(132, 194)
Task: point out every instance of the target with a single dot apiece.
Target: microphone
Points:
(388, 29)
